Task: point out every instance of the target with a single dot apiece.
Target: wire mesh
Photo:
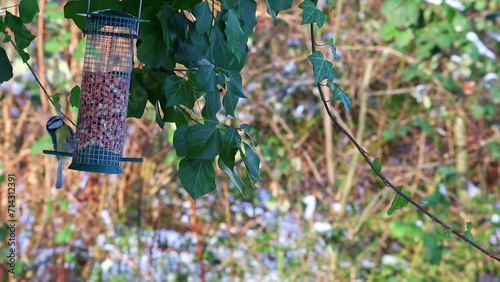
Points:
(107, 69)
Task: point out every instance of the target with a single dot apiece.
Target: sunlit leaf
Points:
(468, 234)
(74, 96)
(377, 165)
(398, 202)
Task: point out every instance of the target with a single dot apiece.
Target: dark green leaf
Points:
(322, 69)
(197, 176)
(234, 84)
(203, 141)
(180, 144)
(21, 34)
(311, 14)
(205, 78)
(340, 95)
(229, 102)
(178, 91)
(231, 143)
(246, 11)
(234, 32)
(138, 95)
(203, 17)
(377, 165)
(398, 202)
(212, 105)
(275, 6)
(252, 163)
(5, 66)
(74, 96)
(246, 129)
(27, 10)
(155, 49)
(73, 8)
(233, 175)
(177, 115)
(334, 50)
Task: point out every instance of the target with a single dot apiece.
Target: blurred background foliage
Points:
(423, 77)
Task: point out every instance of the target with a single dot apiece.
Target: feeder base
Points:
(96, 168)
(96, 159)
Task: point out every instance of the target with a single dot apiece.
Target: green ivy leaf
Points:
(311, 14)
(197, 176)
(446, 234)
(246, 11)
(231, 143)
(234, 84)
(176, 114)
(252, 162)
(398, 202)
(246, 129)
(138, 95)
(205, 78)
(5, 66)
(28, 10)
(74, 96)
(155, 49)
(378, 167)
(203, 141)
(322, 69)
(212, 105)
(340, 95)
(229, 102)
(180, 144)
(22, 35)
(233, 175)
(275, 6)
(185, 4)
(179, 91)
(334, 50)
(468, 234)
(203, 17)
(234, 32)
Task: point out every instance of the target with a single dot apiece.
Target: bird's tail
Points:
(59, 182)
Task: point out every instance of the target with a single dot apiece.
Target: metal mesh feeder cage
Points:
(108, 63)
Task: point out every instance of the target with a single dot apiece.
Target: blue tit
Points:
(63, 140)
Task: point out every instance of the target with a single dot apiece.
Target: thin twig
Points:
(386, 181)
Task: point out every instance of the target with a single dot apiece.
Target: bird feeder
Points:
(107, 68)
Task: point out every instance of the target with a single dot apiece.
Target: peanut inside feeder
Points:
(108, 64)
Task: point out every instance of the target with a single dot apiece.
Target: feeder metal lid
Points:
(112, 13)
